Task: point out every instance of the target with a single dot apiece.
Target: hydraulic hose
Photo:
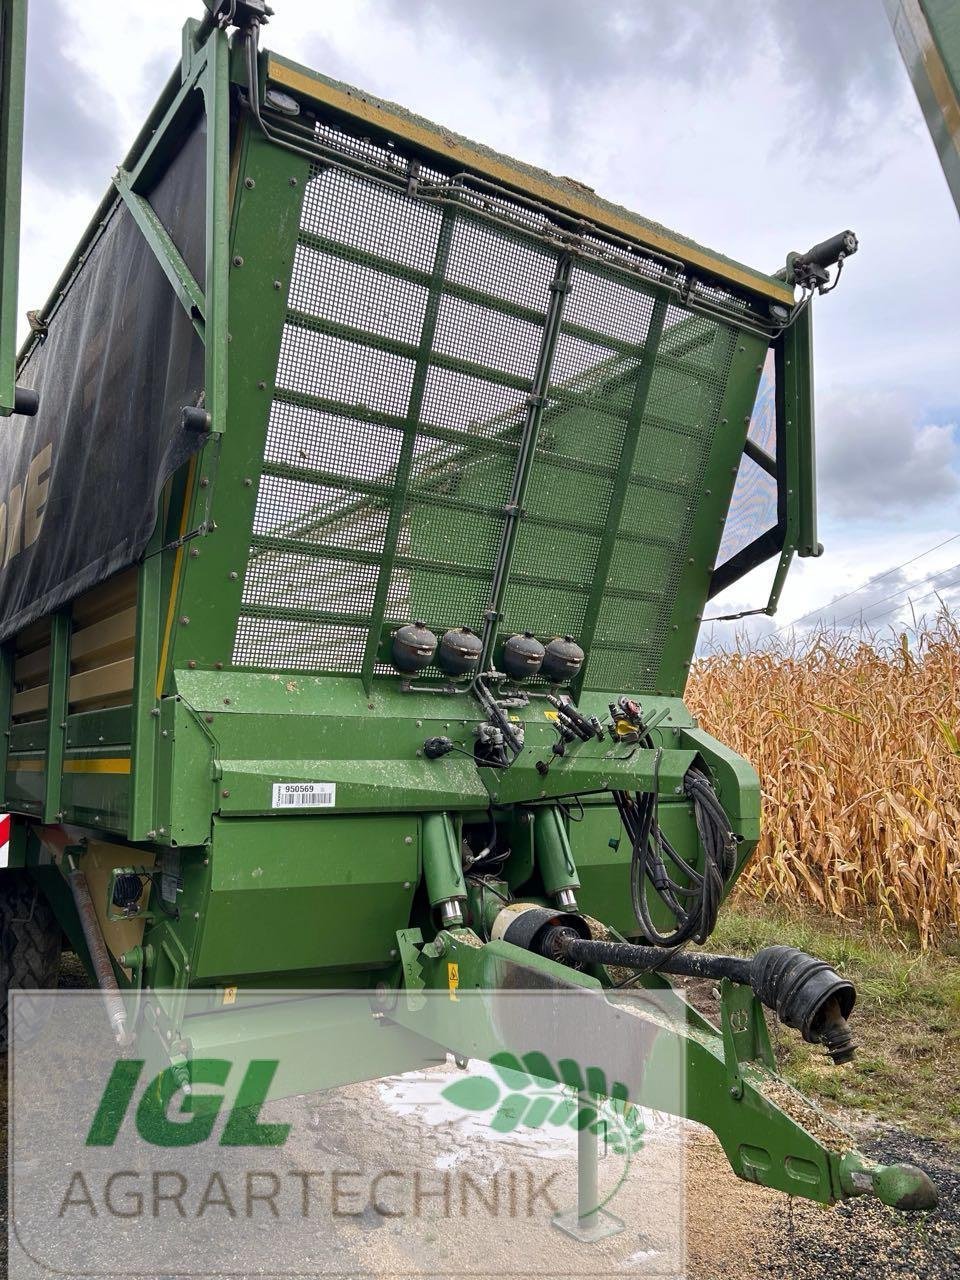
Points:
(694, 900)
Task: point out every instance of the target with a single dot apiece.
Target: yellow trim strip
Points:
(937, 76)
(95, 764)
(177, 570)
(570, 201)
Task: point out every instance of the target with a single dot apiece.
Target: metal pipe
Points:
(99, 955)
(588, 1196)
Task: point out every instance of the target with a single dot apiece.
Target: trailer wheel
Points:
(30, 943)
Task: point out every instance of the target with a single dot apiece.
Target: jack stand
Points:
(587, 1222)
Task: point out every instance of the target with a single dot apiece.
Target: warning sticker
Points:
(304, 795)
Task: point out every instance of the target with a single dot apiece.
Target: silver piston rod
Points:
(99, 955)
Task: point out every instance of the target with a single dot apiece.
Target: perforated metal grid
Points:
(416, 321)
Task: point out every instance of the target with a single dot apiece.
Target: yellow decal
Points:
(551, 715)
(94, 764)
(453, 980)
(230, 995)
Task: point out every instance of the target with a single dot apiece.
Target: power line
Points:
(911, 586)
(869, 583)
(935, 592)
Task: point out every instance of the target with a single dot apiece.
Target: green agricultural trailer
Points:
(354, 555)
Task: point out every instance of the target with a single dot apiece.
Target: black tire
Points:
(30, 943)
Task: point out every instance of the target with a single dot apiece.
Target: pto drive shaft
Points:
(805, 993)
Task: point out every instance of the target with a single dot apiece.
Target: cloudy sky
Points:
(755, 126)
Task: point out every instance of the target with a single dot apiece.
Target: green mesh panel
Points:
(413, 332)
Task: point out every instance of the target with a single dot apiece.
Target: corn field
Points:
(857, 742)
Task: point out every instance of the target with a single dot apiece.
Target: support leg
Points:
(587, 1222)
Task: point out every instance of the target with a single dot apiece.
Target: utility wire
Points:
(935, 592)
(869, 583)
(911, 586)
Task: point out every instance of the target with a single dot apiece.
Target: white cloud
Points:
(876, 458)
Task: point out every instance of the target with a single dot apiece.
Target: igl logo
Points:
(21, 515)
(155, 1123)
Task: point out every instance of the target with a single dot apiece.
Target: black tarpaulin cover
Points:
(80, 483)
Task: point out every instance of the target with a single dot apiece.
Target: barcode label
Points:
(304, 795)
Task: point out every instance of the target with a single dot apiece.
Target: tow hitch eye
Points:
(902, 1186)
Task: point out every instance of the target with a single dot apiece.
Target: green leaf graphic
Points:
(472, 1093)
(585, 1118)
(571, 1073)
(540, 1108)
(510, 1113)
(564, 1111)
(539, 1066)
(510, 1071)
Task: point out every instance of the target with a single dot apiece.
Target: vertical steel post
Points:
(7, 657)
(13, 49)
(588, 1191)
(146, 661)
(58, 680)
(587, 1222)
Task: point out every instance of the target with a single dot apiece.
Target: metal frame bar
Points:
(929, 40)
(405, 458)
(164, 250)
(206, 69)
(149, 159)
(794, 354)
(795, 532)
(58, 683)
(621, 485)
(144, 714)
(13, 33)
(7, 659)
(215, 84)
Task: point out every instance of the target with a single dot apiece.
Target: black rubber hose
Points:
(695, 901)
